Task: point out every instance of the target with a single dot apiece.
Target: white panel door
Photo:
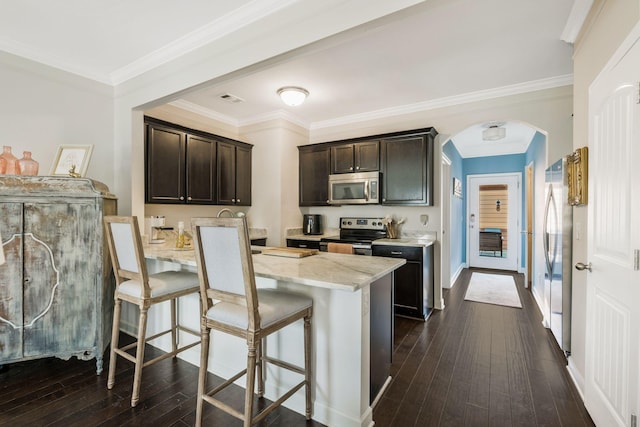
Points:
(493, 210)
(613, 287)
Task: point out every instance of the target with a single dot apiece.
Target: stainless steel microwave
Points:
(354, 188)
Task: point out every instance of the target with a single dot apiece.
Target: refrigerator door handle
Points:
(545, 240)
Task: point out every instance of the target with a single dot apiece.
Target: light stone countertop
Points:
(324, 270)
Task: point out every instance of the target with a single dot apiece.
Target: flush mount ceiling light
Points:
(494, 132)
(292, 95)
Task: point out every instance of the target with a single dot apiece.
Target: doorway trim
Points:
(529, 224)
(445, 224)
(518, 213)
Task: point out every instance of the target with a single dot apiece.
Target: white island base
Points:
(341, 343)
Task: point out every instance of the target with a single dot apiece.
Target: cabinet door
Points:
(200, 169)
(407, 166)
(226, 173)
(243, 176)
(314, 167)
(11, 281)
(342, 158)
(408, 288)
(367, 156)
(60, 284)
(165, 159)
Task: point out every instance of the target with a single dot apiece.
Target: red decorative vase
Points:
(28, 166)
(11, 161)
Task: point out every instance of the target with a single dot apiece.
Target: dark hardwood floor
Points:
(476, 364)
(472, 364)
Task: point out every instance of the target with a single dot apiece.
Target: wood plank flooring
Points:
(476, 364)
(472, 364)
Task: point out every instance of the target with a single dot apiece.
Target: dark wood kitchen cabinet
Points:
(314, 167)
(188, 166)
(234, 173)
(356, 157)
(180, 168)
(413, 282)
(407, 169)
(56, 287)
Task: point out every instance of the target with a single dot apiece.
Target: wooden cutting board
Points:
(290, 252)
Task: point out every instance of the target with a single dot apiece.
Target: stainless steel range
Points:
(359, 232)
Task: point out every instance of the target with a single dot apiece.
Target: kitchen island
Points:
(349, 293)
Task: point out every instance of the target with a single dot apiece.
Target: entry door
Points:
(492, 219)
(613, 287)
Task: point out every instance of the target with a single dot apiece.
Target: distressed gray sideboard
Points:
(56, 287)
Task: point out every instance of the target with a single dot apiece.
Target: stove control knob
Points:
(349, 223)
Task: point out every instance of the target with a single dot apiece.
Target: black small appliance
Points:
(312, 224)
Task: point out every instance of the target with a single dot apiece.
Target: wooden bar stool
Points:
(232, 304)
(136, 286)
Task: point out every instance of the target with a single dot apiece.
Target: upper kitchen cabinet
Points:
(315, 165)
(165, 164)
(407, 168)
(189, 166)
(355, 157)
(234, 173)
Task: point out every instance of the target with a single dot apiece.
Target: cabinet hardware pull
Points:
(189, 198)
(238, 201)
(303, 246)
(396, 253)
(181, 197)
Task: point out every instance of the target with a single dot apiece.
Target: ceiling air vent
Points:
(231, 98)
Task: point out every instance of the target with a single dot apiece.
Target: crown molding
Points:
(576, 19)
(275, 115)
(549, 83)
(27, 52)
(482, 95)
(227, 24)
(205, 112)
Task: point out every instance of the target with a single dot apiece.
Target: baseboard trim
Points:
(576, 377)
(455, 275)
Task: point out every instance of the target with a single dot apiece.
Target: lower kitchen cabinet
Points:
(56, 287)
(413, 282)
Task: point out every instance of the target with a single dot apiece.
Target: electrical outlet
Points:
(424, 219)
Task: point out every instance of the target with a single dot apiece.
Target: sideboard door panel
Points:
(10, 288)
(59, 291)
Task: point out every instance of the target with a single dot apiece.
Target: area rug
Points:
(493, 289)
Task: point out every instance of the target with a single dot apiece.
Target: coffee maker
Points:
(312, 224)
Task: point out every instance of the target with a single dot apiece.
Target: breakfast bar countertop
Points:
(324, 270)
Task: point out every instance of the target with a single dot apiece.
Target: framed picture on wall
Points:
(71, 160)
(457, 187)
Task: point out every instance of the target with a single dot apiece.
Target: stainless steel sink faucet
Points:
(227, 210)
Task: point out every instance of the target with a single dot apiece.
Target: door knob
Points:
(582, 266)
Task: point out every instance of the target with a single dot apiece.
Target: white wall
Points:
(607, 25)
(42, 108)
(275, 176)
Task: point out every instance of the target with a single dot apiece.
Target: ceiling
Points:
(437, 53)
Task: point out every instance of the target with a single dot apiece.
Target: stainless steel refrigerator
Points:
(557, 242)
